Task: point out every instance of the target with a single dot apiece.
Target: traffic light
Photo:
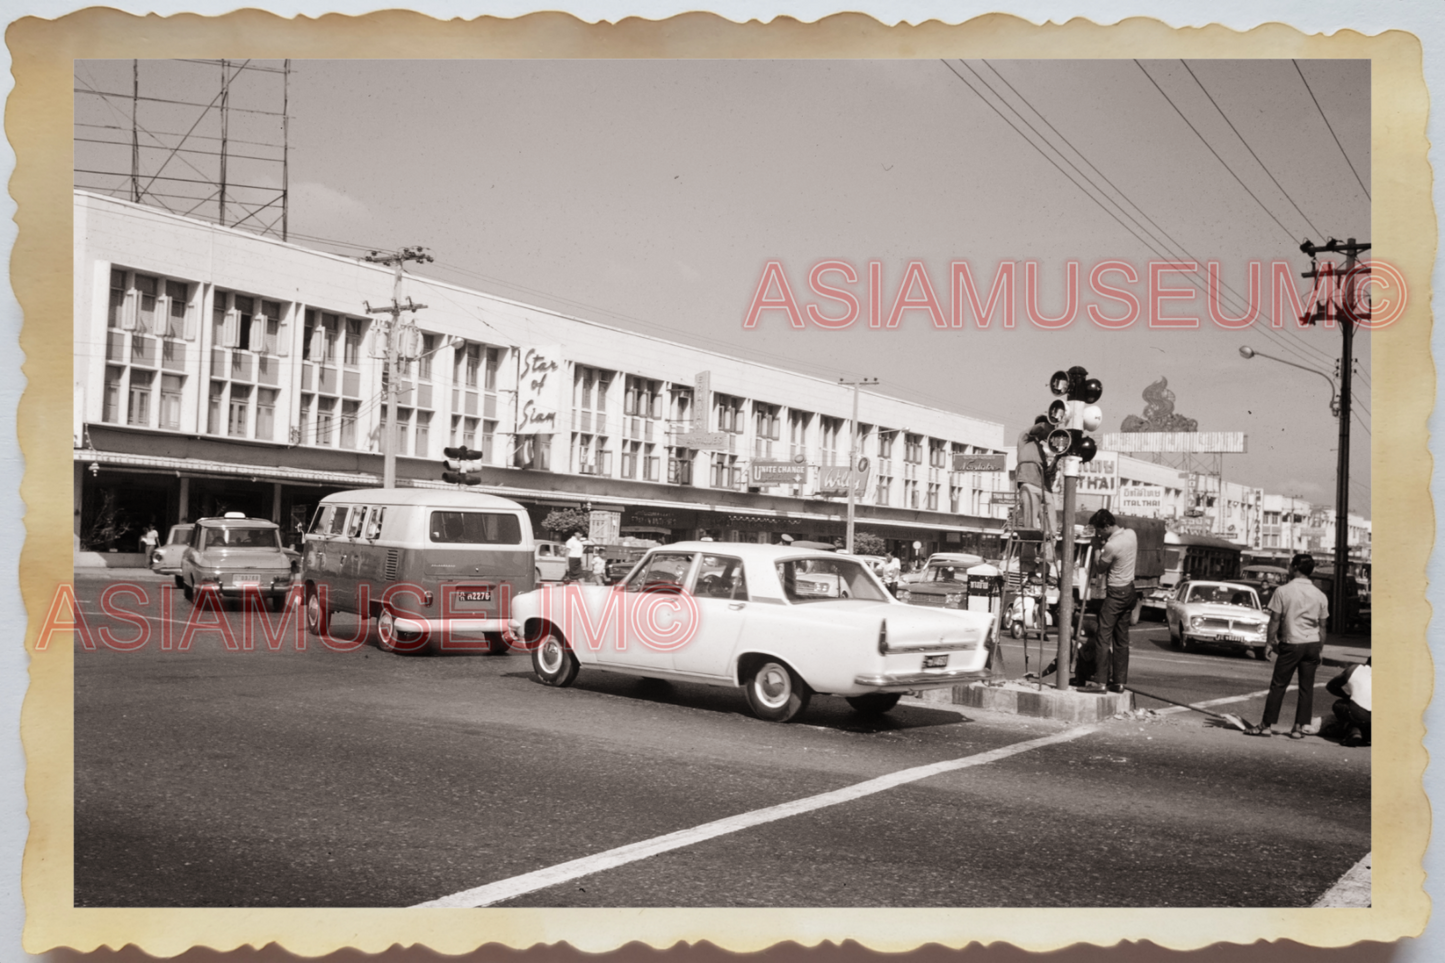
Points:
(1074, 414)
(463, 466)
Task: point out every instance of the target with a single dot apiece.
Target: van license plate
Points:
(475, 595)
(248, 580)
(935, 661)
(1224, 638)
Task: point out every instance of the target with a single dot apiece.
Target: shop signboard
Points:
(833, 480)
(980, 462)
(765, 472)
(539, 390)
(1146, 501)
(1100, 476)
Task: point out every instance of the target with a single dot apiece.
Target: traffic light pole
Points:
(388, 428)
(1065, 625)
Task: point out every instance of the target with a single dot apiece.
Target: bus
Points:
(1192, 557)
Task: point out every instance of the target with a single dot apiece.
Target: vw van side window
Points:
(358, 522)
(475, 528)
(373, 526)
(321, 523)
(338, 520)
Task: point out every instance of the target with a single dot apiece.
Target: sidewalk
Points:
(1345, 649)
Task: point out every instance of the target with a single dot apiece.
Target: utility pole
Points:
(853, 450)
(388, 427)
(1351, 249)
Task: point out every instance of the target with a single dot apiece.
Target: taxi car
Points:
(780, 623)
(1219, 614)
(233, 552)
(166, 559)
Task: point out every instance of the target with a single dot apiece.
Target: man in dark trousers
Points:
(1297, 613)
(1109, 656)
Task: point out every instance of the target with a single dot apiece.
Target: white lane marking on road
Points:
(1226, 700)
(506, 889)
(1351, 891)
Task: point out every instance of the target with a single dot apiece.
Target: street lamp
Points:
(1248, 352)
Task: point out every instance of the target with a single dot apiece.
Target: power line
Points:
(1265, 331)
(1221, 160)
(1239, 299)
(1332, 130)
(1250, 149)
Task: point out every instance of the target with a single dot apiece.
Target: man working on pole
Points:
(1108, 659)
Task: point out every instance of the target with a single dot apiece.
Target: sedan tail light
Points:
(883, 638)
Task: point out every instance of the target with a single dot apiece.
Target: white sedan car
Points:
(1218, 613)
(778, 622)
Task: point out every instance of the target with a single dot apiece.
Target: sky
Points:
(650, 195)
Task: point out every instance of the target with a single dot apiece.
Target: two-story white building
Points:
(217, 370)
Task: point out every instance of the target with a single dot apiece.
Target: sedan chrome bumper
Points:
(458, 625)
(926, 679)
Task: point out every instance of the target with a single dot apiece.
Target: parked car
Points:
(232, 553)
(551, 561)
(1224, 614)
(166, 559)
(778, 622)
(943, 582)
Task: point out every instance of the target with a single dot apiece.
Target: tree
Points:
(866, 543)
(562, 522)
(109, 525)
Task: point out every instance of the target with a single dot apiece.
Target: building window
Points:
(913, 449)
(172, 391)
(933, 496)
(679, 466)
(729, 414)
(590, 455)
(910, 493)
(726, 473)
(884, 491)
(351, 356)
(424, 360)
(139, 411)
(111, 408)
(937, 454)
(325, 414)
(349, 411)
(831, 428)
(885, 442)
(767, 429)
(240, 411)
(213, 410)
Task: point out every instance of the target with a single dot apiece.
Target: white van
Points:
(439, 568)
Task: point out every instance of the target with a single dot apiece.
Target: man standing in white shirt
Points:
(1117, 557)
(575, 548)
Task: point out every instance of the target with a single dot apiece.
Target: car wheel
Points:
(1175, 639)
(1264, 653)
(553, 661)
(386, 637)
(1016, 629)
(874, 703)
(775, 693)
(188, 592)
(180, 582)
(318, 620)
(539, 576)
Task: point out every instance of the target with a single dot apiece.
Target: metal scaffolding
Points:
(224, 159)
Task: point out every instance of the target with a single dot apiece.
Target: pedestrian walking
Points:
(1107, 658)
(892, 572)
(1352, 705)
(1297, 613)
(576, 547)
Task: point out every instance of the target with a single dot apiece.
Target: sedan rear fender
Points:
(825, 647)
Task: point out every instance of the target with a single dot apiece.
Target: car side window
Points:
(721, 577)
(373, 525)
(358, 522)
(664, 572)
(338, 520)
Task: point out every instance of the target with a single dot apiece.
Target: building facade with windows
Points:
(217, 370)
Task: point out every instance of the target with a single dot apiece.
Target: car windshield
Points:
(242, 538)
(180, 535)
(943, 573)
(820, 579)
(1224, 595)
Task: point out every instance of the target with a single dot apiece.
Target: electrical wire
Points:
(1331, 127)
(1262, 167)
(1211, 149)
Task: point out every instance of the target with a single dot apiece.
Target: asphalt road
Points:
(320, 778)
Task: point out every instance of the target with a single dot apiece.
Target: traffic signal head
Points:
(1072, 441)
(1059, 383)
(460, 478)
(1058, 412)
(1077, 384)
(462, 465)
